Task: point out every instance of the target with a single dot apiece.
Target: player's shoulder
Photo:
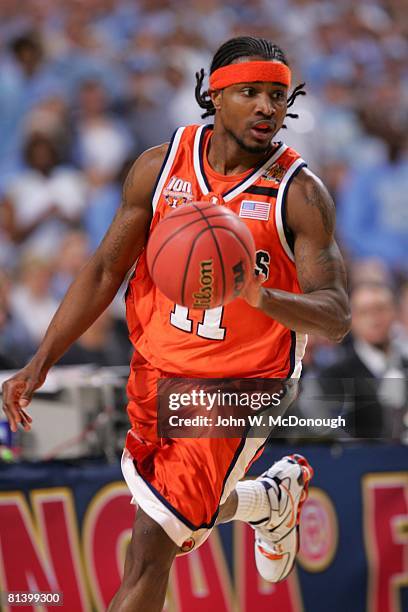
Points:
(143, 174)
(147, 166)
(309, 201)
(146, 169)
(154, 157)
(306, 187)
(305, 182)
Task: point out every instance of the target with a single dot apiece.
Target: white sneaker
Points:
(277, 536)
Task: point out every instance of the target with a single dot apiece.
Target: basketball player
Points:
(183, 487)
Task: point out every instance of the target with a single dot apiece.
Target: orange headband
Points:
(248, 72)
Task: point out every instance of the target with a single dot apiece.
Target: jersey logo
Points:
(262, 262)
(254, 210)
(177, 192)
(187, 545)
(275, 172)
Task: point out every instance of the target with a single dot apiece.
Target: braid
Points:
(298, 91)
(203, 98)
(242, 46)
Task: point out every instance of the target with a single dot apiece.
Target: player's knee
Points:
(152, 547)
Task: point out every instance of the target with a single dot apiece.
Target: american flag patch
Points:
(254, 210)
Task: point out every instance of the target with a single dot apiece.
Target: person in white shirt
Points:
(44, 200)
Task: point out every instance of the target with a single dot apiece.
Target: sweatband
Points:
(249, 72)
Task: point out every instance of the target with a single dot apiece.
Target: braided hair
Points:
(242, 46)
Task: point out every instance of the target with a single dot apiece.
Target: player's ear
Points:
(216, 98)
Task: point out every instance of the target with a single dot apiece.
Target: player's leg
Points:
(228, 510)
(149, 558)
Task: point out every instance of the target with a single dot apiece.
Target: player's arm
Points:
(95, 286)
(323, 307)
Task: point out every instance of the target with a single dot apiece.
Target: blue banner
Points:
(64, 527)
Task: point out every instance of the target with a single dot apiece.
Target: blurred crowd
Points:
(86, 85)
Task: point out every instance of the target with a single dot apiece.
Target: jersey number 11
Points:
(210, 326)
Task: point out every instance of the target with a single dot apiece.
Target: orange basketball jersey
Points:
(235, 340)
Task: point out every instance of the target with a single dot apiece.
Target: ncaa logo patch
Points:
(276, 172)
(177, 192)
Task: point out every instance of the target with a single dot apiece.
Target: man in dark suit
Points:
(372, 378)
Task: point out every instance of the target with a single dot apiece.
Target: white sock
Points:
(253, 502)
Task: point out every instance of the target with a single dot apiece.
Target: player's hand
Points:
(252, 293)
(17, 394)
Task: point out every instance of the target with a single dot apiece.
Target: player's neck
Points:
(226, 156)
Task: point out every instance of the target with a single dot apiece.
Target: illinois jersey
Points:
(236, 340)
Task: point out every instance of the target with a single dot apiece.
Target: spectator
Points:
(401, 328)
(374, 373)
(102, 141)
(70, 258)
(103, 202)
(373, 215)
(31, 299)
(82, 52)
(144, 106)
(15, 345)
(44, 200)
(50, 117)
(372, 270)
(25, 77)
(100, 345)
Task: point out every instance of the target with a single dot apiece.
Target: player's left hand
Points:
(252, 293)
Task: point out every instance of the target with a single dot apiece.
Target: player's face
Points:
(252, 113)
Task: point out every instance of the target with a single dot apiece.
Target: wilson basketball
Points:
(201, 255)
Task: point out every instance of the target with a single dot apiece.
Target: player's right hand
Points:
(17, 393)
(252, 291)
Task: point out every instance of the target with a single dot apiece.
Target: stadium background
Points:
(85, 86)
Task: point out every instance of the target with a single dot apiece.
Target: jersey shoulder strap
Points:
(278, 177)
(183, 135)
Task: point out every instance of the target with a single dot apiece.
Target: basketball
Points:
(201, 255)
